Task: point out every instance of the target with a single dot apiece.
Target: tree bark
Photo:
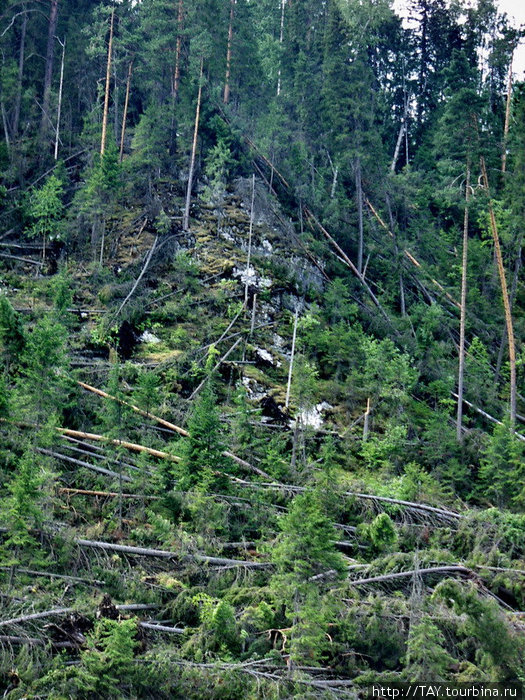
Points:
(106, 91)
(250, 233)
(359, 196)
(506, 300)
(21, 60)
(48, 72)
(59, 108)
(125, 113)
(463, 311)
(178, 51)
(507, 120)
(226, 96)
(290, 369)
(281, 38)
(186, 216)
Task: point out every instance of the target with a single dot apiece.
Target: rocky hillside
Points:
(180, 519)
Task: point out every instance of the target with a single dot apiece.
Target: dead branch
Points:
(216, 367)
(137, 281)
(409, 255)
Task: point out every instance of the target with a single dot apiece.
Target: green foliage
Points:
(502, 468)
(45, 210)
(106, 667)
(12, 337)
(43, 383)
(486, 623)
(426, 658)
(23, 510)
(382, 532)
(202, 450)
(305, 546)
(218, 164)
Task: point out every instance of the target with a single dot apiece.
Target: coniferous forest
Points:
(262, 401)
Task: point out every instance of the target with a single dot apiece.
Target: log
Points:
(442, 512)
(170, 426)
(162, 628)
(81, 463)
(11, 639)
(107, 494)
(134, 447)
(92, 582)
(409, 255)
(165, 554)
(454, 569)
(36, 616)
(344, 257)
(487, 416)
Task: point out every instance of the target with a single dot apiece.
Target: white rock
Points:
(267, 357)
(149, 337)
(313, 418)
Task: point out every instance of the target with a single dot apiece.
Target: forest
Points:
(262, 400)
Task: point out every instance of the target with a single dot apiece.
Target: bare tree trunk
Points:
(106, 92)
(392, 231)
(398, 145)
(4, 123)
(290, 370)
(507, 120)
(48, 73)
(59, 108)
(21, 60)
(281, 38)
(186, 216)
(513, 291)
(125, 113)
(359, 195)
(226, 97)
(178, 51)
(506, 300)
(366, 424)
(250, 233)
(463, 311)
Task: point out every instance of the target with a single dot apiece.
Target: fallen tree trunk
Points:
(81, 463)
(107, 494)
(169, 426)
(442, 512)
(410, 257)
(165, 554)
(455, 569)
(33, 641)
(162, 628)
(36, 616)
(134, 447)
(488, 416)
